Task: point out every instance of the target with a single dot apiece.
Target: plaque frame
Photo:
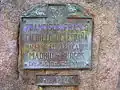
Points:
(28, 15)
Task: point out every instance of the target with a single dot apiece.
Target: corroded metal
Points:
(57, 80)
(56, 36)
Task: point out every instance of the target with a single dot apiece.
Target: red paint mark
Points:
(69, 20)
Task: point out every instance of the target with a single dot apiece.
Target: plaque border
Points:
(54, 68)
(59, 85)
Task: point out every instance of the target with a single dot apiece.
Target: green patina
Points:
(70, 45)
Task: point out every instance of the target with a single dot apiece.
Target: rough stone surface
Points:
(106, 47)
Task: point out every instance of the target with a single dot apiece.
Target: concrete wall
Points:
(106, 47)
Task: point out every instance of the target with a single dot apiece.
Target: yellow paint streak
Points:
(40, 88)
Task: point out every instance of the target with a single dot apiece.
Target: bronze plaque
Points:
(57, 80)
(55, 36)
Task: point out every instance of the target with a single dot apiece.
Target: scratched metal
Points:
(56, 36)
(57, 80)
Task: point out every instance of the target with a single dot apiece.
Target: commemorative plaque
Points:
(56, 36)
(57, 80)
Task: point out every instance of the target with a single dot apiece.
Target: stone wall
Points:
(106, 45)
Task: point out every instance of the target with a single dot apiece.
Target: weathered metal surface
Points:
(59, 88)
(60, 80)
(56, 37)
